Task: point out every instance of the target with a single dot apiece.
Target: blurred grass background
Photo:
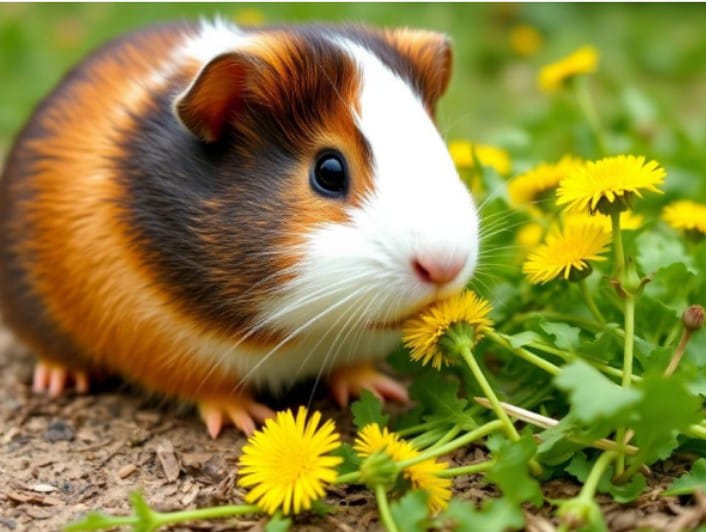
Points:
(650, 90)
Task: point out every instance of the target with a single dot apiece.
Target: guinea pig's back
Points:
(59, 195)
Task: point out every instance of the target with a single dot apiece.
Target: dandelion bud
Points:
(693, 318)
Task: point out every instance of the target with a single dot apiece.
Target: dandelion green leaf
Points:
(580, 467)
(594, 397)
(565, 336)
(410, 512)
(671, 286)
(351, 460)
(278, 523)
(604, 345)
(441, 401)
(368, 409)
(499, 514)
(560, 442)
(696, 350)
(656, 251)
(691, 481)
(666, 408)
(523, 338)
(511, 470)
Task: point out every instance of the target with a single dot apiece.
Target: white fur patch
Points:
(419, 208)
(214, 38)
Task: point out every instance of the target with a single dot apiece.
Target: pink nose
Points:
(437, 271)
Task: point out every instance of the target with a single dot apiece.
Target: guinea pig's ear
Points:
(430, 53)
(215, 94)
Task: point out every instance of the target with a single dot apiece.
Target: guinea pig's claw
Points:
(242, 411)
(53, 378)
(352, 380)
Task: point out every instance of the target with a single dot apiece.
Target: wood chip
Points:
(126, 471)
(168, 460)
(43, 488)
(195, 460)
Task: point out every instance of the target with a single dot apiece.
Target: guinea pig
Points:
(208, 211)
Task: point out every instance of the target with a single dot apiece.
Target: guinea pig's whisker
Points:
(322, 292)
(294, 333)
(338, 343)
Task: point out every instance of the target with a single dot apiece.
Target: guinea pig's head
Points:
(356, 213)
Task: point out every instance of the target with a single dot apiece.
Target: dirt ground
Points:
(62, 458)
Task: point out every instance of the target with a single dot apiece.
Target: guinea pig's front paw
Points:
(52, 378)
(239, 409)
(347, 381)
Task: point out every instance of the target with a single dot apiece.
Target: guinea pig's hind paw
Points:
(352, 380)
(242, 411)
(53, 378)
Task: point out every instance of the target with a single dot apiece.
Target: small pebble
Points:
(59, 431)
(10, 524)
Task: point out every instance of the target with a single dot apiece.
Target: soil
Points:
(61, 458)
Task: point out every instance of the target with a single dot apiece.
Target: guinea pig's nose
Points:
(438, 270)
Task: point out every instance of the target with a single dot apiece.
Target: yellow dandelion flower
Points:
(686, 215)
(421, 334)
(496, 158)
(552, 77)
(287, 463)
(525, 40)
(609, 183)
(566, 251)
(422, 475)
(528, 187)
(372, 439)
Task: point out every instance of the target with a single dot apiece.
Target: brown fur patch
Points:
(430, 53)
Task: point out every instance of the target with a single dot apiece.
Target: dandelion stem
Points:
(450, 435)
(454, 444)
(422, 427)
(576, 320)
(620, 274)
(384, 508)
(215, 512)
(590, 303)
(569, 357)
(489, 393)
(585, 101)
(472, 469)
(627, 370)
(524, 354)
(678, 353)
(152, 520)
(588, 491)
(348, 478)
(619, 266)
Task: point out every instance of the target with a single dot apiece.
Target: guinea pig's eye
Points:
(329, 175)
